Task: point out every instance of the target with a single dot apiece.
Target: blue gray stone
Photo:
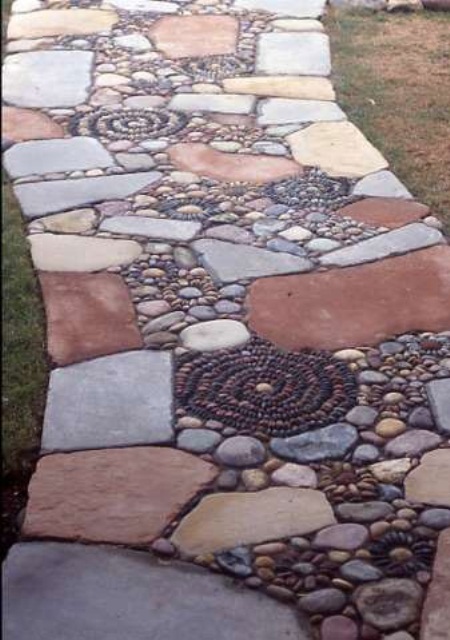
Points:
(241, 451)
(364, 511)
(198, 440)
(365, 453)
(237, 561)
(161, 228)
(360, 571)
(438, 392)
(331, 442)
(306, 54)
(382, 184)
(284, 246)
(287, 111)
(435, 518)
(412, 443)
(362, 416)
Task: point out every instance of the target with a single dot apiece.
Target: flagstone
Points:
(383, 184)
(76, 253)
(24, 124)
(206, 161)
(230, 262)
(223, 521)
(145, 6)
(438, 392)
(435, 621)
(212, 102)
(338, 148)
(306, 54)
(184, 36)
(287, 111)
(295, 8)
(430, 481)
(385, 212)
(304, 87)
(41, 198)
(114, 401)
(47, 156)
(64, 22)
(88, 315)
(123, 496)
(40, 78)
(163, 229)
(319, 310)
(286, 24)
(76, 221)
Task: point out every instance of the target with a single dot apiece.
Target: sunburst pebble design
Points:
(401, 554)
(259, 388)
(128, 124)
(215, 68)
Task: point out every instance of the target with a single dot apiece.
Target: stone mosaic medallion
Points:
(401, 554)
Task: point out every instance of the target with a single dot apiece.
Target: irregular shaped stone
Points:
(64, 22)
(229, 262)
(438, 392)
(230, 233)
(227, 520)
(412, 443)
(184, 37)
(319, 310)
(40, 78)
(134, 41)
(383, 184)
(135, 161)
(47, 156)
(410, 238)
(360, 571)
(435, 518)
(198, 440)
(435, 621)
(241, 451)
(295, 8)
(212, 102)
(389, 604)
(40, 198)
(295, 475)
(313, 88)
(286, 111)
(287, 24)
(119, 400)
(346, 537)
(328, 600)
(213, 335)
(364, 511)
(385, 212)
(338, 148)
(24, 124)
(391, 471)
(122, 496)
(430, 481)
(206, 161)
(76, 221)
(75, 253)
(145, 6)
(52, 586)
(178, 230)
(362, 416)
(305, 54)
(330, 442)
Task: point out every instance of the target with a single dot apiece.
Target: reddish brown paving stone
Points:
(355, 306)
(123, 496)
(385, 212)
(203, 160)
(436, 611)
(88, 315)
(25, 124)
(195, 36)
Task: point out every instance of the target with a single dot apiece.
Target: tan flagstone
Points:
(436, 611)
(308, 88)
(76, 221)
(25, 124)
(64, 22)
(430, 481)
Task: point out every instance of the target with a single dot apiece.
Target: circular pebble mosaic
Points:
(401, 554)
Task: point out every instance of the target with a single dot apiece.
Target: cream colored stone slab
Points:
(338, 148)
(64, 22)
(226, 520)
(298, 25)
(307, 88)
(76, 221)
(74, 253)
(430, 481)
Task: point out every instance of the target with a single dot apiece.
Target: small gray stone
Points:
(228, 480)
(134, 41)
(364, 511)
(284, 246)
(276, 210)
(412, 443)
(362, 416)
(270, 148)
(202, 312)
(135, 161)
(287, 111)
(226, 306)
(236, 561)
(322, 245)
(438, 392)
(323, 601)
(435, 518)
(389, 492)
(188, 293)
(163, 322)
(198, 440)
(391, 348)
(232, 291)
(293, 53)
(241, 451)
(360, 571)
(420, 418)
(372, 377)
(184, 258)
(382, 184)
(331, 442)
(268, 226)
(178, 230)
(230, 233)
(365, 453)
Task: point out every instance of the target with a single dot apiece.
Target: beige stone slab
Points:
(64, 22)
(338, 148)
(436, 610)
(288, 24)
(308, 88)
(76, 221)
(226, 520)
(430, 481)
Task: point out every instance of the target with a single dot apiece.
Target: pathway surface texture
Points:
(248, 418)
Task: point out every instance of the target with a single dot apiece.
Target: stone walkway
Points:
(249, 321)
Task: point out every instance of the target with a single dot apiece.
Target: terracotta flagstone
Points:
(24, 124)
(88, 315)
(357, 305)
(436, 610)
(385, 212)
(430, 481)
(124, 496)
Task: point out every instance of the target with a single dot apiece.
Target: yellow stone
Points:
(308, 88)
(64, 22)
(390, 427)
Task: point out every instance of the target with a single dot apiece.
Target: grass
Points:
(392, 77)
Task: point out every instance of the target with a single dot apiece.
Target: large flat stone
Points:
(87, 316)
(223, 521)
(286, 111)
(382, 184)
(48, 156)
(145, 6)
(66, 22)
(385, 212)
(25, 124)
(40, 198)
(438, 392)
(152, 227)
(206, 161)
(76, 221)
(230, 262)
(114, 401)
(184, 37)
(355, 306)
(124, 496)
(396, 242)
(338, 148)
(40, 78)
(436, 610)
(430, 481)
(212, 102)
(306, 54)
(305, 88)
(99, 593)
(74, 253)
(294, 8)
